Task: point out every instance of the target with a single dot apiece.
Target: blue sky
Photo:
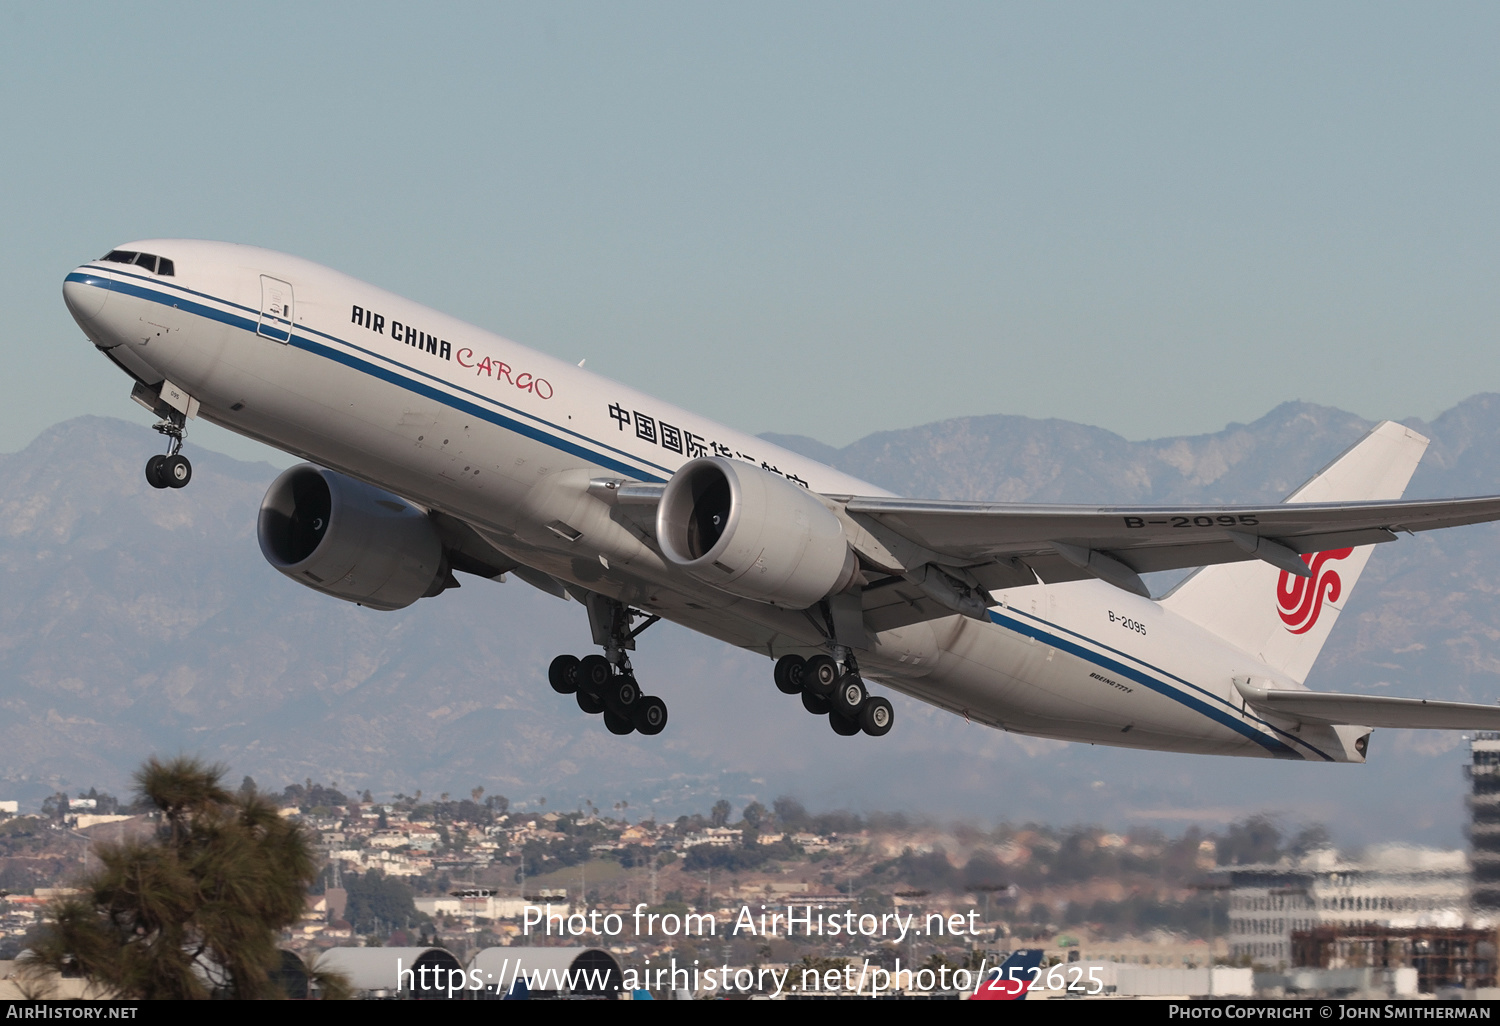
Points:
(828, 219)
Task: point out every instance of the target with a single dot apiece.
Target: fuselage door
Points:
(275, 309)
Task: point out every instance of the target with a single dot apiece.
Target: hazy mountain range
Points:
(135, 621)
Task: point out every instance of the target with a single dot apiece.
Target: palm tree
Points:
(193, 911)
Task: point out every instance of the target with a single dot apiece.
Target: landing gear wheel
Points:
(563, 674)
(789, 673)
(876, 717)
(153, 472)
(849, 696)
(649, 715)
(618, 724)
(176, 471)
(821, 675)
(593, 673)
(818, 705)
(589, 702)
(842, 726)
(621, 695)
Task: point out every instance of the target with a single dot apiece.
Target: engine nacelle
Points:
(349, 539)
(752, 533)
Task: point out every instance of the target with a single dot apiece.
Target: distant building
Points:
(714, 837)
(483, 903)
(1442, 956)
(1394, 886)
(1484, 819)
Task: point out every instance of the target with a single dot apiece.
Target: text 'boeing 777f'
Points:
(436, 447)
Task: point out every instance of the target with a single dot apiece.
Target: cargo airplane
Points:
(436, 448)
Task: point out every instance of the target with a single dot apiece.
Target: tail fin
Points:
(1011, 979)
(1281, 619)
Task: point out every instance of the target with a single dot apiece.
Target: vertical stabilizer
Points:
(1281, 619)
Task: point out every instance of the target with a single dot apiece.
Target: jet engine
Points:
(350, 540)
(753, 534)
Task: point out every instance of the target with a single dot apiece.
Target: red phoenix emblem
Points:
(1301, 598)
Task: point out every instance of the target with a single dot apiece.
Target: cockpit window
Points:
(154, 264)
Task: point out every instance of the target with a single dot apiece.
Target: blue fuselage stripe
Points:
(1208, 695)
(1270, 744)
(385, 374)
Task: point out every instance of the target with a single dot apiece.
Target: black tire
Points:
(649, 715)
(176, 471)
(849, 696)
(594, 672)
(821, 675)
(790, 669)
(563, 674)
(842, 726)
(818, 705)
(618, 724)
(877, 717)
(153, 472)
(621, 694)
(589, 702)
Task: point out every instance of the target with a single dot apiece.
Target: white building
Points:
(483, 903)
(1394, 885)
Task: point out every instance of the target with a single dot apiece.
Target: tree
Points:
(196, 909)
(55, 806)
(378, 902)
(790, 813)
(1257, 839)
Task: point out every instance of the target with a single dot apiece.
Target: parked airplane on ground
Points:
(1011, 979)
(437, 448)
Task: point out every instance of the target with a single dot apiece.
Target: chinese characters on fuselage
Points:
(683, 442)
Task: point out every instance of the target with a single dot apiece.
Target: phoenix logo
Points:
(1301, 598)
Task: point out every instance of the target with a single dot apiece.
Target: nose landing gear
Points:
(606, 684)
(171, 469)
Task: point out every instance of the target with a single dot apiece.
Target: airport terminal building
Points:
(1393, 887)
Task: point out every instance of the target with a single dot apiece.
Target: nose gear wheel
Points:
(170, 469)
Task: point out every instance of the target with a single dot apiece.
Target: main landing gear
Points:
(172, 469)
(839, 695)
(605, 683)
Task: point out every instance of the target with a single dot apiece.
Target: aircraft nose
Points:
(85, 298)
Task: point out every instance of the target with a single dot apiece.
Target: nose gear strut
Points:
(174, 407)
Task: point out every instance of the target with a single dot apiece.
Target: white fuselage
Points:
(461, 420)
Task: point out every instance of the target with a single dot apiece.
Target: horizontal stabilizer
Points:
(1371, 710)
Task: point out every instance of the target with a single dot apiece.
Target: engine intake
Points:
(753, 534)
(350, 540)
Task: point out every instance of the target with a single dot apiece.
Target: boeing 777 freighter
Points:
(437, 448)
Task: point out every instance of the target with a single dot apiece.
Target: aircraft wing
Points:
(930, 558)
(1118, 543)
(1371, 710)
